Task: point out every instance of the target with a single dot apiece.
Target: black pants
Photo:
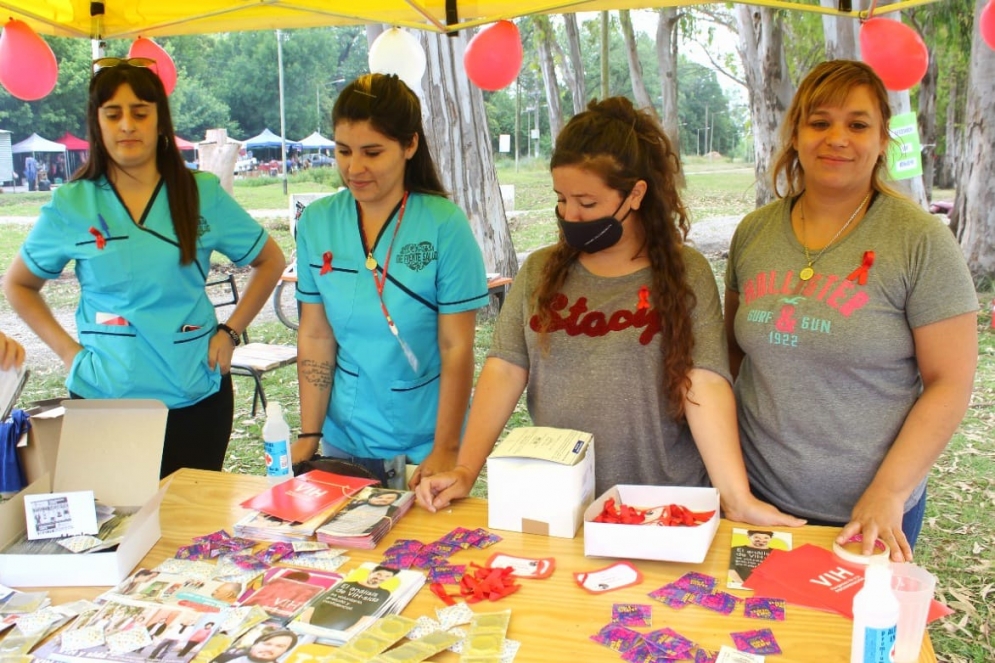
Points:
(197, 435)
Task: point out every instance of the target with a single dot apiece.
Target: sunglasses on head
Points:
(105, 63)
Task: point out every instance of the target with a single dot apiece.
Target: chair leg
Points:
(259, 394)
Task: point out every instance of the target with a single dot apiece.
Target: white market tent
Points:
(317, 142)
(35, 143)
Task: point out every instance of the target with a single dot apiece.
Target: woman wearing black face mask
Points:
(616, 329)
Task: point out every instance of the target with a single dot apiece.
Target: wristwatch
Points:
(236, 340)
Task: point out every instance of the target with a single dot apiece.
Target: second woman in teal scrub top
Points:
(141, 229)
(389, 276)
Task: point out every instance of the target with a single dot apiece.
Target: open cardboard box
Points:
(669, 544)
(112, 447)
(536, 495)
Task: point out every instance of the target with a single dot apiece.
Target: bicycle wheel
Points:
(285, 304)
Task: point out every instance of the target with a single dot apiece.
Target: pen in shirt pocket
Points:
(103, 224)
(189, 328)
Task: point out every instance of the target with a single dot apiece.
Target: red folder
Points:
(302, 497)
(816, 578)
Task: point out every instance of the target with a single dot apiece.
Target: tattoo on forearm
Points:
(317, 373)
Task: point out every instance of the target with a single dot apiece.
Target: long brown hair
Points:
(623, 145)
(394, 110)
(827, 84)
(181, 187)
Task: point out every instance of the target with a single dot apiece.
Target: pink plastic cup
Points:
(913, 586)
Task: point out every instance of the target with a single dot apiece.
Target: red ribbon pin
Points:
(644, 299)
(326, 262)
(860, 274)
(101, 241)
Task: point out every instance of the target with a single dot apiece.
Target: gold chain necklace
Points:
(807, 271)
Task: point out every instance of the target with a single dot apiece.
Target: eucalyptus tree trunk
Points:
(544, 46)
(642, 97)
(666, 57)
(926, 116)
(911, 187)
(761, 50)
(840, 33)
(457, 134)
(575, 70)
(975, 201)
(951, 142)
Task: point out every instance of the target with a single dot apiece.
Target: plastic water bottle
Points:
(875, 617)
(276, 444)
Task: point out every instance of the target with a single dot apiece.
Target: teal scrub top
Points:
(381, 406)
(136, 298)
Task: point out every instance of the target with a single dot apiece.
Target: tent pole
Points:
(283, 119)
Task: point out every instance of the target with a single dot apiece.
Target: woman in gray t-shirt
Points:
(852, 324)
(616, 330)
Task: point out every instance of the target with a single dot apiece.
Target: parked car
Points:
(243, 166)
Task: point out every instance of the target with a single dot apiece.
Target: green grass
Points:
(957, 543)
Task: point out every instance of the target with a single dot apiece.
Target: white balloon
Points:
(397, 51)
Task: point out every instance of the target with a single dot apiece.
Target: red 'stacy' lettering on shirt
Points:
(578, 320)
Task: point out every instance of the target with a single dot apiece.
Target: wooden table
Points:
(552, 618)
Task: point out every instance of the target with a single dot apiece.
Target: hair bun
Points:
(616, 108)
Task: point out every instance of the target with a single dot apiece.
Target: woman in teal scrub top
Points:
(389, 276)
(141, 229)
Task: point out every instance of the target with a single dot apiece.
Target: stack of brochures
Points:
(350, 607)
(284, 592)
(366, 518)
(294, 509)
(264, 527)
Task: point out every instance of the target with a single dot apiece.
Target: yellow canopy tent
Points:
(126, 19)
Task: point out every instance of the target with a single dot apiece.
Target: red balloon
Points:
(28, 68)
(894, 51)
(987, 24)
(164, 66)
(493, 57)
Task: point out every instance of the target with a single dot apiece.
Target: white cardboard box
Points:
(112, 447)
(535, 495)
(670, 544)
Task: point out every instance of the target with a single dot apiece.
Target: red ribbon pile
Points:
(484, 583)
(622, 514)
(673, 514)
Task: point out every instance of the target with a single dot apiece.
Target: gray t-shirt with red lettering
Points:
(602, 372)
(830, 371)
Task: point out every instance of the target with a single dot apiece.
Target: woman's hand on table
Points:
(439, 490)
(878, 515)
(439, 460)
(748, 509)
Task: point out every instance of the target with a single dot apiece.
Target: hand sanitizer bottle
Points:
(875, 617)
(276, 444)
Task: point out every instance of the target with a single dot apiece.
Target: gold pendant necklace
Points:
(371, 262)
(807, 271)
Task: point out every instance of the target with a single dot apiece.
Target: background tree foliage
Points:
(227, 80)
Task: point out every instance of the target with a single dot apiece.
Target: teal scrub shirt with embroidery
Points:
(380, 405)
(135, 296)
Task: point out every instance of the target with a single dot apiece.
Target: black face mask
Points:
(592, 236)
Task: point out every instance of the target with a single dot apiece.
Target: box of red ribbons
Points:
(667, 523)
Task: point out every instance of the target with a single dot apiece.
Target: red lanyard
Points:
(371, 264)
